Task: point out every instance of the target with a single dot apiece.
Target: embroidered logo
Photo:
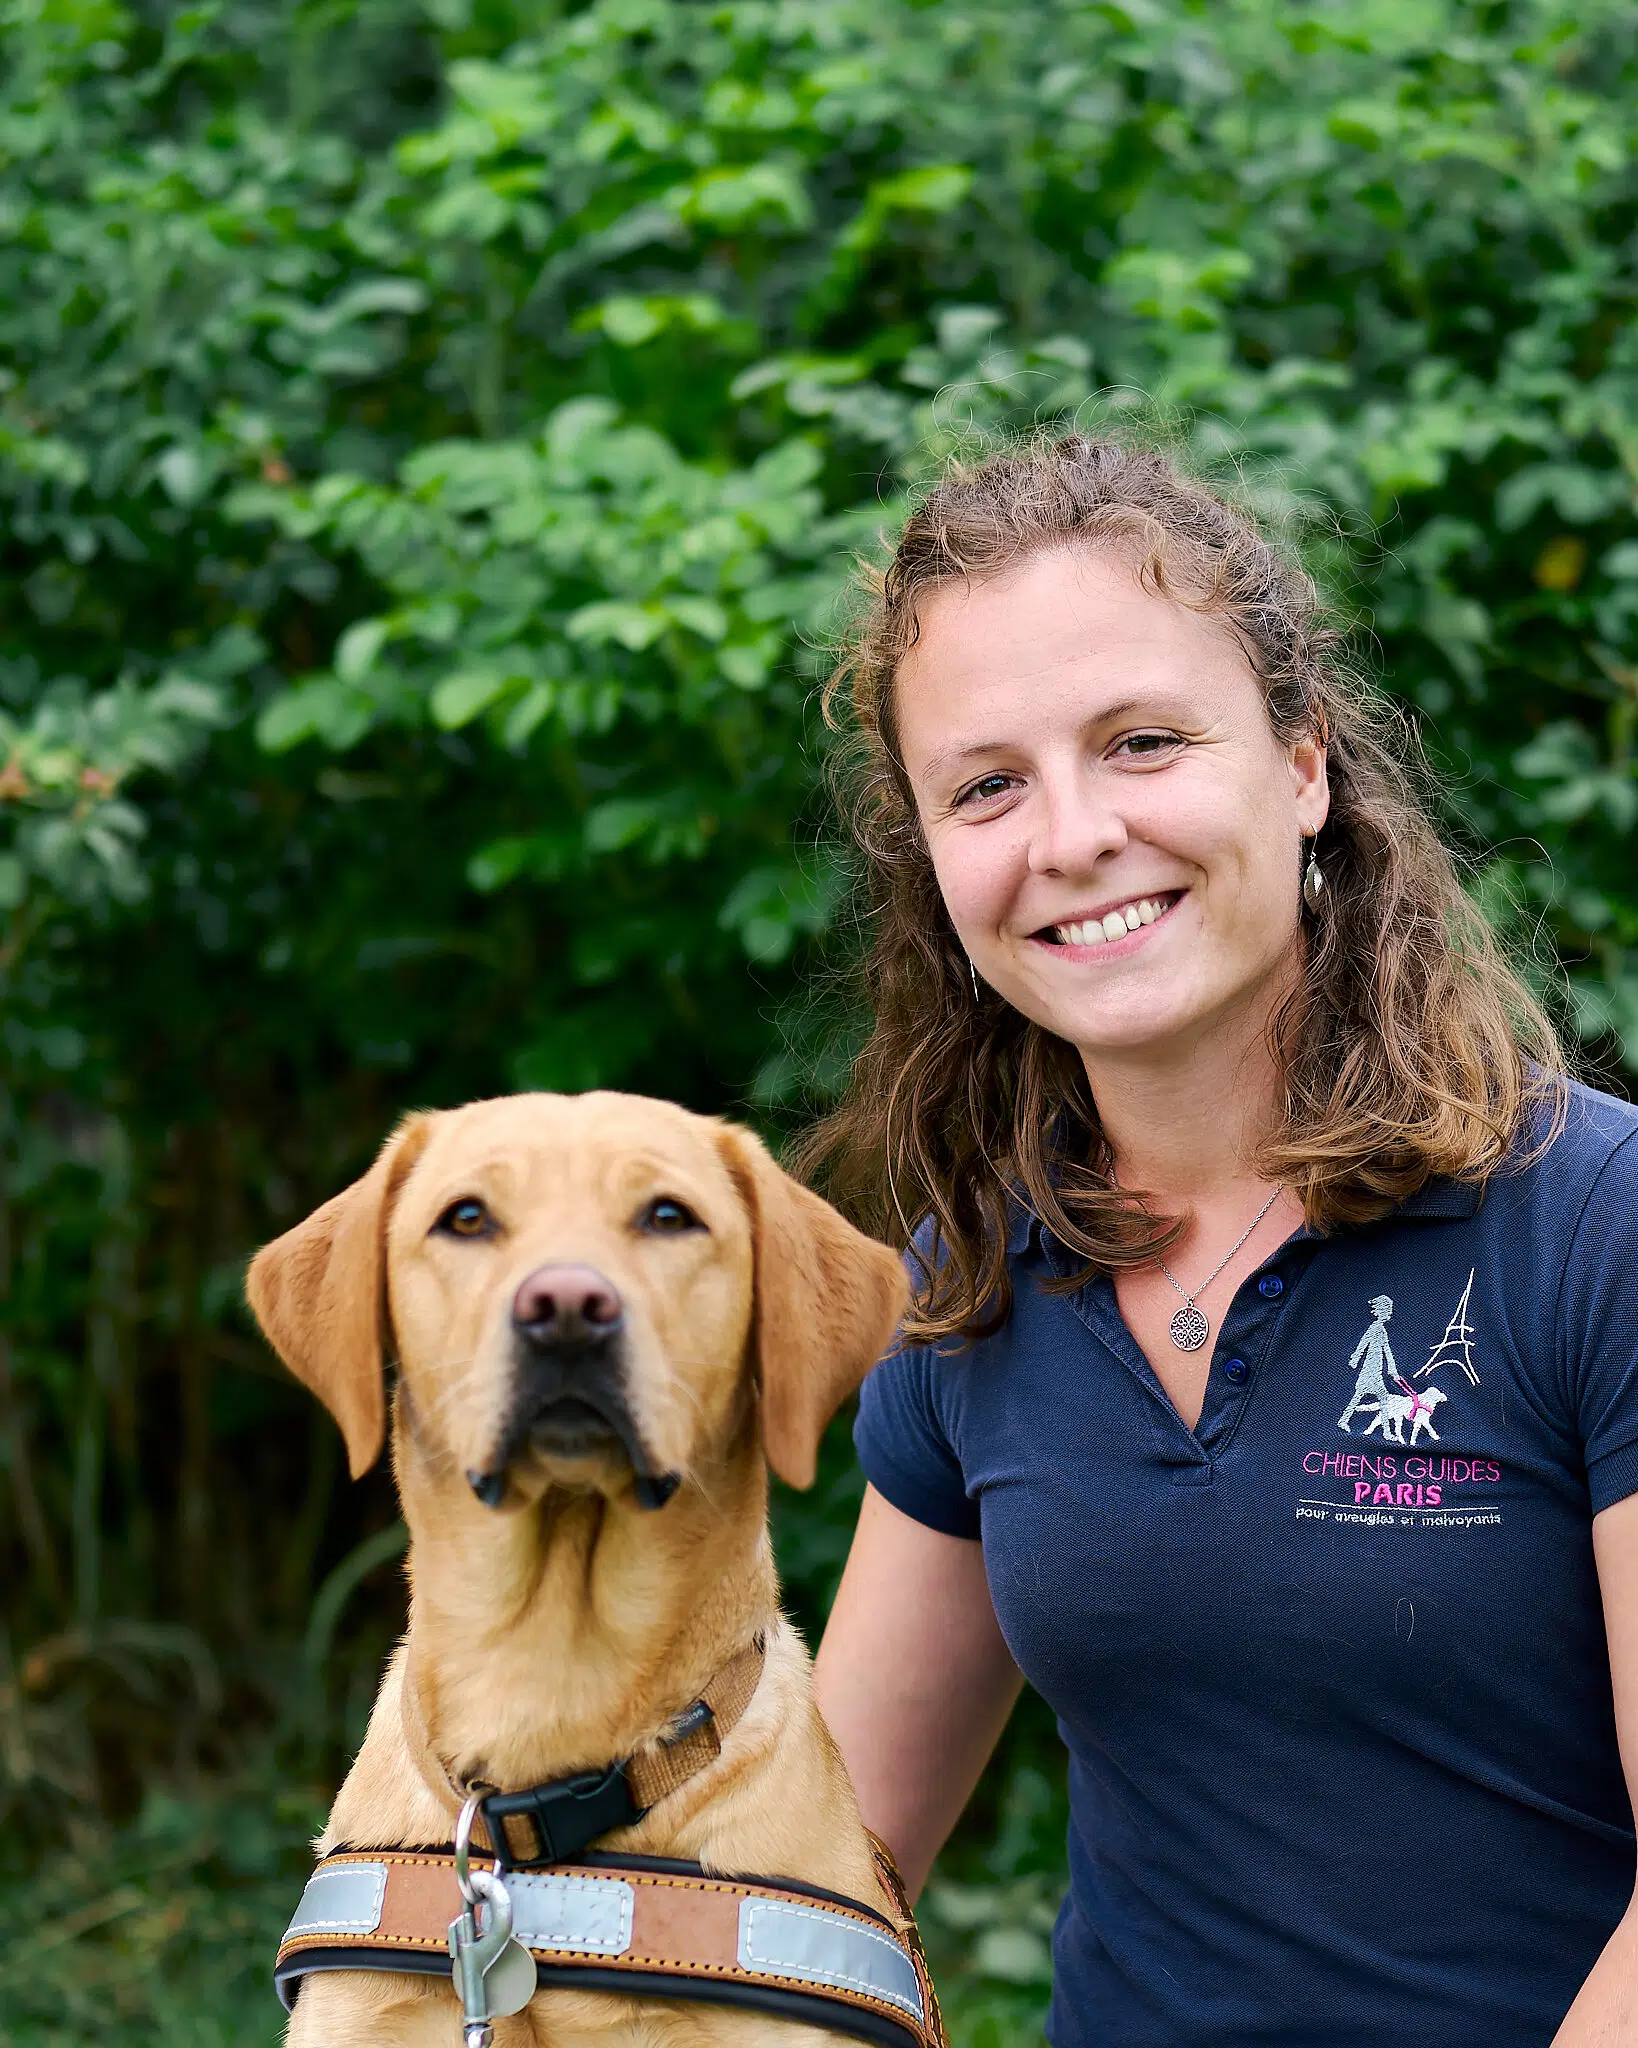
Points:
(1383, 1392)
(1426, 1491)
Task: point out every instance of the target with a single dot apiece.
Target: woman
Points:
(1271, 1397)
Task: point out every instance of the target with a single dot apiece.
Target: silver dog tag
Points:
(509, 1980)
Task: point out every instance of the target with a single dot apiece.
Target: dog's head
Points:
(579, 1290)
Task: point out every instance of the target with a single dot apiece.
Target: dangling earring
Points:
(1313, 883)
(973, 971)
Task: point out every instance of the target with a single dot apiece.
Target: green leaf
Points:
(1577, 493)
(787, 468)
(323, 709)
(185, 474)
(286, 720)
(496, 864)
(628, 625)
(1018, 1955)
(629, 321)
(735, 198)
(357, 649)
(701, 615)
(746, 667)
(465, 693)
(532, 708)
(934, 188)
(620, 823)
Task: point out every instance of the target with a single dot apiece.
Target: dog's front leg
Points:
(376, 2009)
(648, 2023)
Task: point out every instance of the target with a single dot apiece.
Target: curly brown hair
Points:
(1408, 1049)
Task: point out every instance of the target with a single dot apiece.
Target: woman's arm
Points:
(1605, 2014)
(914, 1679)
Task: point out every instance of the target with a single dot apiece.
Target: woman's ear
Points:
(827, 1302)
(1310, 784)
(319, 1293)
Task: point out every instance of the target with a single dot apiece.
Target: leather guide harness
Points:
(642, 1925)
(649, 1926)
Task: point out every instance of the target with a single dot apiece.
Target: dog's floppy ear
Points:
(828, 1300)
(319, 1293)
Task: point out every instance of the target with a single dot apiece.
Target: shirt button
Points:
(1237, 1372)
(1270, 1285)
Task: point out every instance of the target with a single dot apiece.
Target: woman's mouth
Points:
(1111, 925)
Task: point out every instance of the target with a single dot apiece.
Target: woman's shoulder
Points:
(1573, 1163)
(928, 1250)
(1575, 1133)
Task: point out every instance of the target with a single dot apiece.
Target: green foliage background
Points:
(433, 434)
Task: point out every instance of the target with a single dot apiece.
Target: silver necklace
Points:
(1188, 1326)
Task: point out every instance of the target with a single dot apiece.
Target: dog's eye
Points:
(466, 1218)
(665, 1216)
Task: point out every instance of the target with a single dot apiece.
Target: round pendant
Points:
(1189, 1328)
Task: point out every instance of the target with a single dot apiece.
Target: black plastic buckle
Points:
(565, 1815)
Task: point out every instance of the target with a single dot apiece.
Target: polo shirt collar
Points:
(1024, 1227)
(1439, 1200)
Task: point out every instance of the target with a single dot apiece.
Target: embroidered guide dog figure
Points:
(608, 1316)
(1395, 1410)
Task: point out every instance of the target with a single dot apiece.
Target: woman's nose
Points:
(1076, 826)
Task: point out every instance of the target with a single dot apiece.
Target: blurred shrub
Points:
(431, 439)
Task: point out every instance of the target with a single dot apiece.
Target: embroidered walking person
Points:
(1372, 1353)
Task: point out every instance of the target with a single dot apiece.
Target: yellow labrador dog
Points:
(605, 1313)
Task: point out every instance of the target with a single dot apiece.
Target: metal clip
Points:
(494, 1975)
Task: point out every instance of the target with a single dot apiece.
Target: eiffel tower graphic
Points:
(1457, 1342)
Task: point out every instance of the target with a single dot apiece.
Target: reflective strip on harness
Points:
(818, 1947)
(651, 1926)
(341, 1898)
(589, 1916)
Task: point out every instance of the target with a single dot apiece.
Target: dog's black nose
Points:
(566, 1305)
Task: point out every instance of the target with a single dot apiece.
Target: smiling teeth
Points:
(1115, 924)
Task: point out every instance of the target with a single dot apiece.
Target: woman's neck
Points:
(1184, 1123)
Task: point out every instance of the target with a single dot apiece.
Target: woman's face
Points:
(1115, 829)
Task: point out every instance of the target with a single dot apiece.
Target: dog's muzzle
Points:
(569, 1398)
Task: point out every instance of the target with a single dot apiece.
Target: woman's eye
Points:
(466, 1218)
(984, 790)
(665, 1217)
(1146, 746)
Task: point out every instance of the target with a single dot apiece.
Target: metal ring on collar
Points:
(463, 1849)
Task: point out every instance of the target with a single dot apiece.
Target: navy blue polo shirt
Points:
(1331, 1666)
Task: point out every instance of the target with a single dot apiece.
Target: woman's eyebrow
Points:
(952, 757)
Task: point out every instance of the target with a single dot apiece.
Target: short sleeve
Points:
(1598, 1322)
(904, 1443)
